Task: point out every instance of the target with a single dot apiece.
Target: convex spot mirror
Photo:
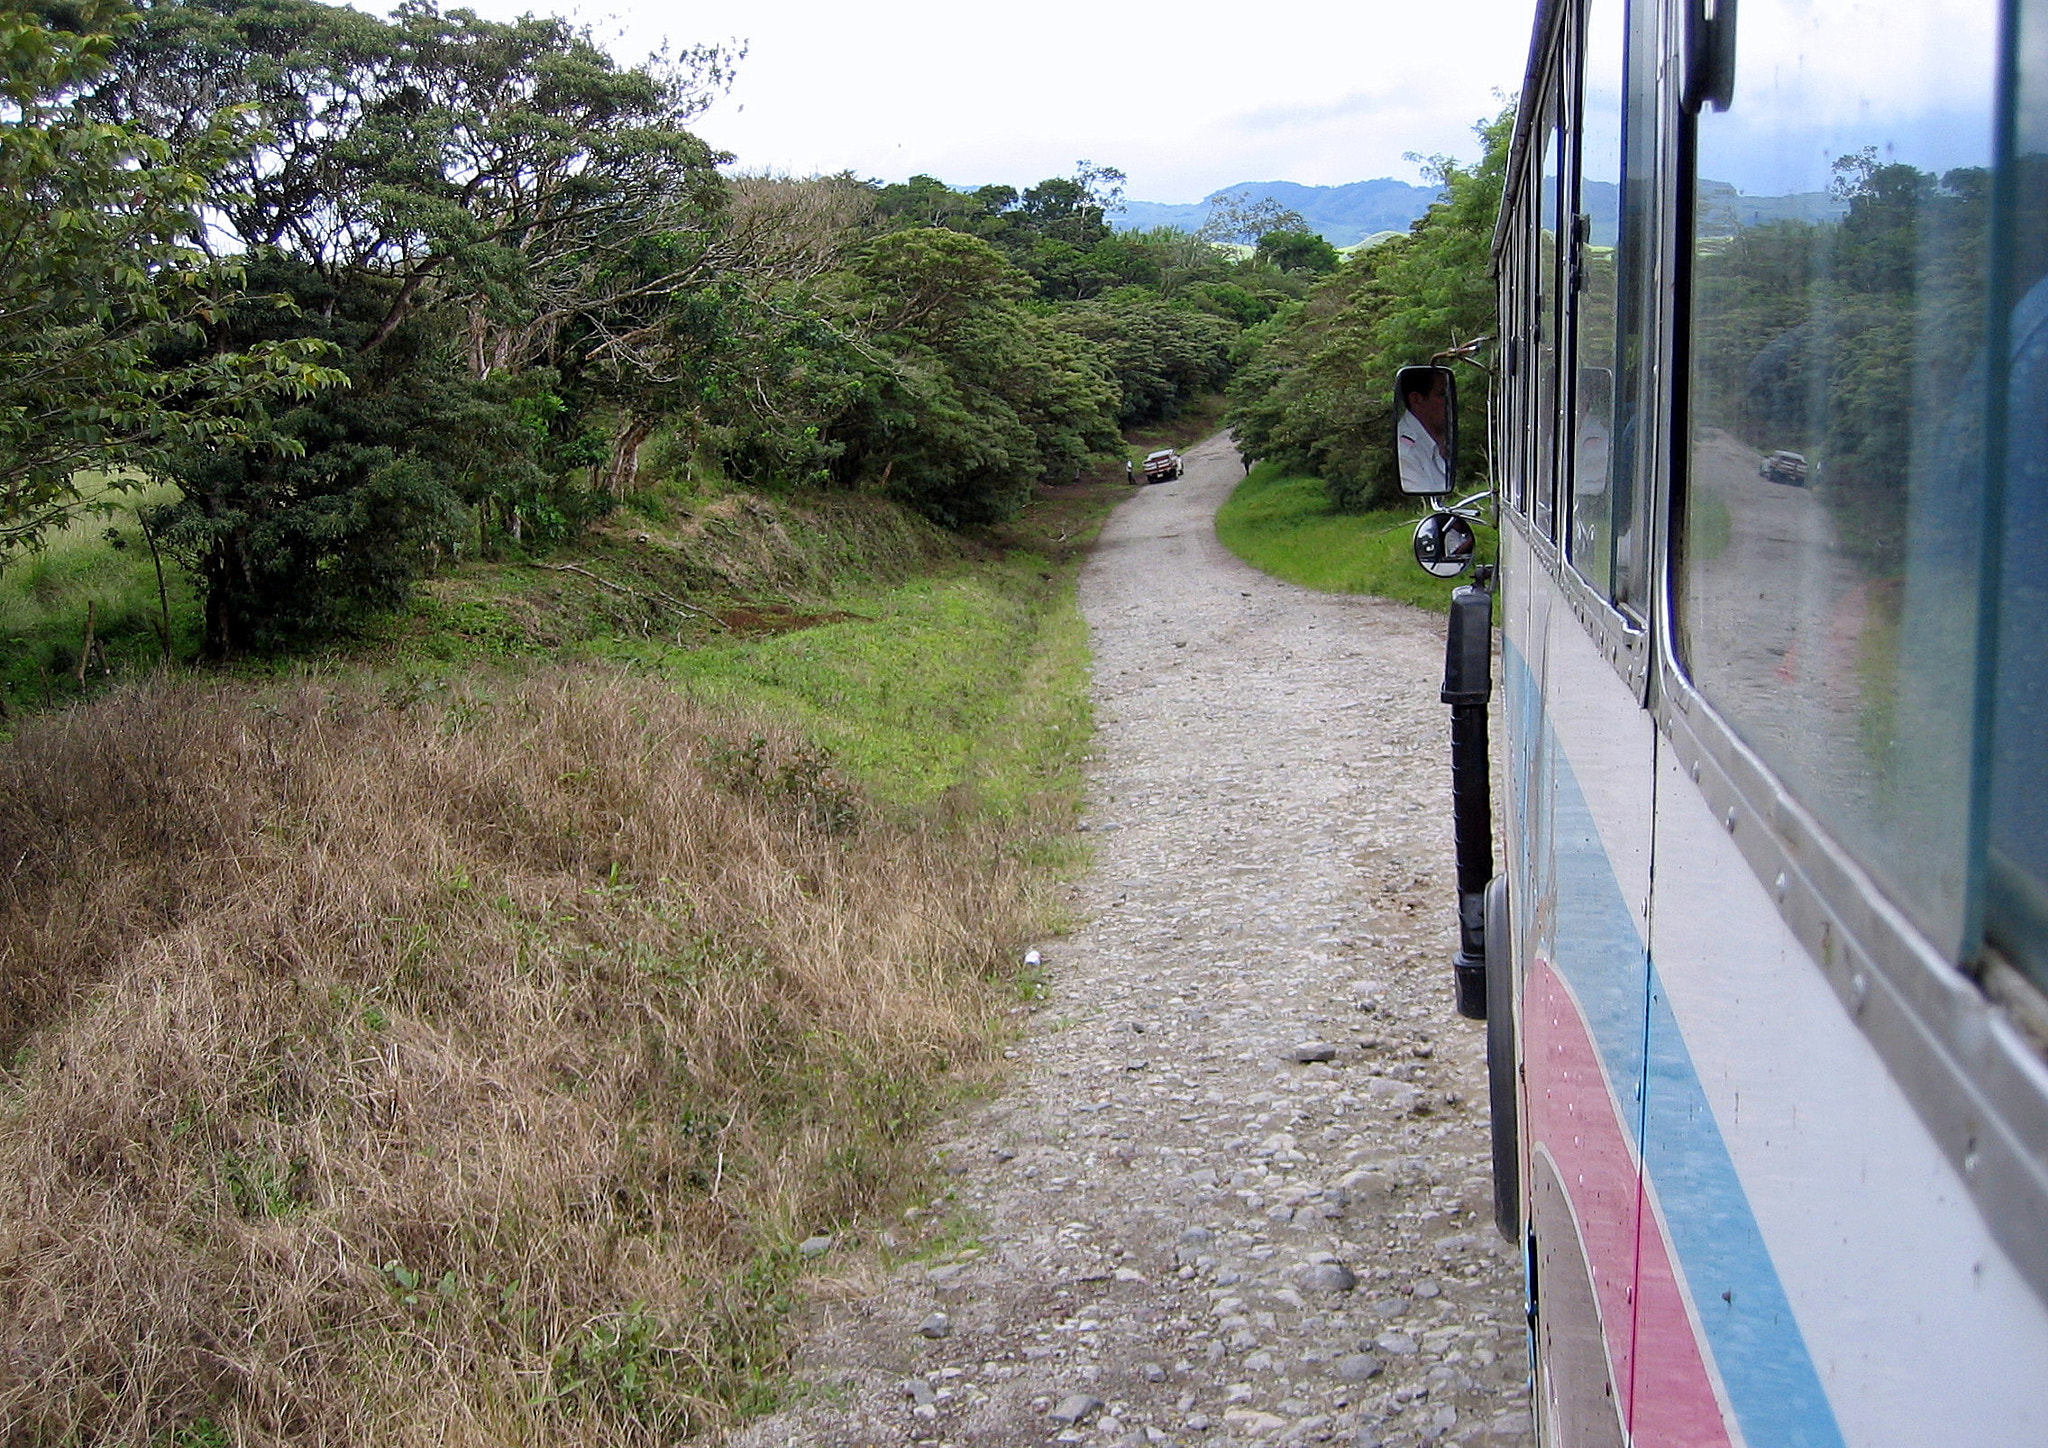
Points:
(1426, 430)
(1445, 544)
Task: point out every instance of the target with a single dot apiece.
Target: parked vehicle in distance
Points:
(1162, 466)
(1789, 468)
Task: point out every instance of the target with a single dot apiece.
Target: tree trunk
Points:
(622, 471)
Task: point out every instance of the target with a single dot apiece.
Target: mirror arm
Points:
(1463, 353)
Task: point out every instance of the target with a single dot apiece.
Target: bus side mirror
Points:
(1426, 430)
(1445, 545)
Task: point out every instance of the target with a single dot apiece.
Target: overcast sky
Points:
(1187, 98)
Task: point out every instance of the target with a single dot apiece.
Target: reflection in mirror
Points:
(1445, 545)
(1425, 437)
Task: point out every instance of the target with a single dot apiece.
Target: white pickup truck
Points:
(1162, 466)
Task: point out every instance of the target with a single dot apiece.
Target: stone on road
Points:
(1237, 1191)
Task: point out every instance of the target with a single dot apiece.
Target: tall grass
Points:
(450, 1065)
(1286, 526)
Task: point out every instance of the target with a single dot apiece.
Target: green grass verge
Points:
(973, 682)
(101, 563)
(944, 669)
(1285, 526)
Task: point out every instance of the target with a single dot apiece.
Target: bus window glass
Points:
(1525, 354)
(1638, 302)
(2018, 893)
(1591, 543)
(1543, 473)
(1828, 585)
(1507, 443)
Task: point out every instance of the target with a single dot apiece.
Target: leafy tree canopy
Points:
(1317, 393)
(1297, 251)
(108, 298)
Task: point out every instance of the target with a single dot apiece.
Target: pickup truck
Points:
(1162, 466)
(1789, 468)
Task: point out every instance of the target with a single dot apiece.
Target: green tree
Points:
(969, 396)
(1317, 392)
(107, 297)
(1297, 251)
(1162, 356)
(1240, 218)
(493, 223)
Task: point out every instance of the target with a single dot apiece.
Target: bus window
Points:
(1828, 583)
(1543, 470)
(2018, 894)
(1639, 303)
(1507, 442)
(1591, 519)
(1521, 299)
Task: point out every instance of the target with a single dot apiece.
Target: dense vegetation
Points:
(1316, 396)
(381, 295)
(448, 1036)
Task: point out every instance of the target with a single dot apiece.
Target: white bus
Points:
(1765, 961)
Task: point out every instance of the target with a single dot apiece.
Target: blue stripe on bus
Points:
(1755, 1341)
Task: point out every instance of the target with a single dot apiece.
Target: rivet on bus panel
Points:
(1780, 886)
(1859, 992)
(1695, 771)
(1729, 819)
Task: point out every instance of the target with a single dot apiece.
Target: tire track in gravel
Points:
(1187, 1234)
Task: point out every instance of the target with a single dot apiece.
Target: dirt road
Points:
(1237, 1192)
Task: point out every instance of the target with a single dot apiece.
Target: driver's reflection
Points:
(1424, 433)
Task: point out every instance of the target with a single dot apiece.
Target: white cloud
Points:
(1187, 97)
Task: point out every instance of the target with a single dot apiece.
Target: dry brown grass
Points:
(447, 1070)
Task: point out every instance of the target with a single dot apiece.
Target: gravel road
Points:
(1236, 1192)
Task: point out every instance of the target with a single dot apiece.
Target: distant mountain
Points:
(1342, 215)
(1724, 210)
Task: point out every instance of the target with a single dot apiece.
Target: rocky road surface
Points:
(1237, 1191)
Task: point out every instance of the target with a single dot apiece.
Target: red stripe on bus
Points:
(1654, 1351)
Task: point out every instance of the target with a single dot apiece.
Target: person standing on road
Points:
(1130, 471)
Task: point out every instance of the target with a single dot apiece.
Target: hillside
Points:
(1342, 215)
(1348, 214)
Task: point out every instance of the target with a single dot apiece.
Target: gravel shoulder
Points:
(1237, 1189)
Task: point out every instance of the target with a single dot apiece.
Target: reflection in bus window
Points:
(1508, 444)
(1592, 498)
(2018, 894)
(1638, 303)
(1543, 476)
(1828, 586)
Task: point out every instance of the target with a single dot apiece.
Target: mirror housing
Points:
(1426, 430)
(1445, 545)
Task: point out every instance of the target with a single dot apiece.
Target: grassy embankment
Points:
(449, 1040)
(1285, 526)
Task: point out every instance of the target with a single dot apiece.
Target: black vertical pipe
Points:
(1468, 684)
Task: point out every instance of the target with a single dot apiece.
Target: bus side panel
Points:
(1583, 753)
(1826, 1251)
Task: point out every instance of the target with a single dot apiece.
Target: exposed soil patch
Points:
(1237, 1192)
(752, 621)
